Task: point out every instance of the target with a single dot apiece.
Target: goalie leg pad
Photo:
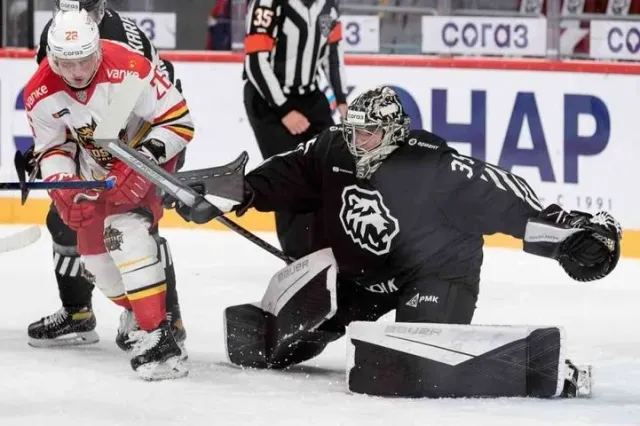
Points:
(282, 329)
(245, 330)
(446, 360)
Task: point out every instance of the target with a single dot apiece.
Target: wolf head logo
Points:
(367, 220)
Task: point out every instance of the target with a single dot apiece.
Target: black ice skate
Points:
(128, 325)
(66, 327)
(156, 355)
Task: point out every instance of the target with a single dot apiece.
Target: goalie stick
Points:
(106, 137)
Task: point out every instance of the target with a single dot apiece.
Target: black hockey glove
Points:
(586, 246)
(27, 169)
(25, 163)
(225, 182)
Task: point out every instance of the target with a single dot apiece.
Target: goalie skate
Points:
(156, 355)
(64, 328)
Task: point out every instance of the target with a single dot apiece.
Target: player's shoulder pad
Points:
(118, 60)
(41, 85)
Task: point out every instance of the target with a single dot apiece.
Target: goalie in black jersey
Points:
(75, 322)
(403, 217)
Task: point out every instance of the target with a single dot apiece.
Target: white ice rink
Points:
(94, 385)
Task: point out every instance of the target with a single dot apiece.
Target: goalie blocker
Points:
(397, 359)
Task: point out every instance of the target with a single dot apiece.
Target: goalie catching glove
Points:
(586, 246)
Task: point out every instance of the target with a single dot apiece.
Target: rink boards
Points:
(569, 128)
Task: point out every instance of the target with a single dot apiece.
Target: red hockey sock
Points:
(122, 300)
(149, 305)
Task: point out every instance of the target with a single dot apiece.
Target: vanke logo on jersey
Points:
(120, 74)
(367, 220)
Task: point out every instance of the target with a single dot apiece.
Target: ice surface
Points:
(94, 385)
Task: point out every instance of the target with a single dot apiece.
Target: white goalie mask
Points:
(375, 125)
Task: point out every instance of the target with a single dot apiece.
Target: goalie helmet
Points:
(376, 124)
(73, 47)
(95, 8)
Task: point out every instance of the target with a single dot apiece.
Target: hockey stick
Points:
(106, 137)
(89, 184)
(20, 239)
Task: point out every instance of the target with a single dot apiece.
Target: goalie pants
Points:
(294, 231)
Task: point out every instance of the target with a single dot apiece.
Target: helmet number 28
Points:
(70, 35)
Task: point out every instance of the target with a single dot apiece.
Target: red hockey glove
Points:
(75, 206)
(129, 187)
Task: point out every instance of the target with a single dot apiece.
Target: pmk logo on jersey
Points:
(417, 299)
(367, 220)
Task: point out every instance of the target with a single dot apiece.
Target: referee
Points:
(286, 45)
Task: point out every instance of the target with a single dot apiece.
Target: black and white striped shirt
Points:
(286, 44)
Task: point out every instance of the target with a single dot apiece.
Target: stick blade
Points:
(117, 113)
(20, 239)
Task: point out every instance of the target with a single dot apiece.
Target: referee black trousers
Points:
(294, 231)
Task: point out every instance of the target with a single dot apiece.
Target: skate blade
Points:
(71, 339)
(184, 355)
(585, 381)
(173, 368)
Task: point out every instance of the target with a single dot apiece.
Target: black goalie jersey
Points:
(422, 214)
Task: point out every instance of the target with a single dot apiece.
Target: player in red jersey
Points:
(65, 99)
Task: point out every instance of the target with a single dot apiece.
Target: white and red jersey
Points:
(63, 119)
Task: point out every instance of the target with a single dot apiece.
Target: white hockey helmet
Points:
(73, 47)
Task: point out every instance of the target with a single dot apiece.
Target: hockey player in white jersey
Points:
(65, 99)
